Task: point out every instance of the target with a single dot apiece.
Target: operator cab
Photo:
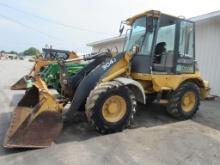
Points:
(55, 54)
(163, 44)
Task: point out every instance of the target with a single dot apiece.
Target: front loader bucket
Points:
(20, 84)
(36, 121)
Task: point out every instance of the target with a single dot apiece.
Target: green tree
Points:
(13, 52)
(31, 52)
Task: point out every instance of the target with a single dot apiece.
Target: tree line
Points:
(32, 51)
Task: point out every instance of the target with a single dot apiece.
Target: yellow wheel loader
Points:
(158, 63)
(49, 56)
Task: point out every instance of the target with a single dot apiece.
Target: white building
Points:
(109, 43)
(207, 47)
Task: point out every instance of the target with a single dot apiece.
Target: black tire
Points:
(174, 107)
(96, 100)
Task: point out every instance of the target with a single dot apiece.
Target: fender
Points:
(89, 82)
(135, 87)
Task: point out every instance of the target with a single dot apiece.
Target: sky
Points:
(71, 24)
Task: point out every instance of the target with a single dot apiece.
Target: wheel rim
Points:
(188, 101)
(114, 109)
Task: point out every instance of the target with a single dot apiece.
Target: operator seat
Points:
(159, 51)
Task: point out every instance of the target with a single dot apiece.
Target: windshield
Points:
(53, 54)
(136, 35)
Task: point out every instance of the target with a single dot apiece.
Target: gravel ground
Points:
(155, 138)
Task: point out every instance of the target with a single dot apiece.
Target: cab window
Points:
(186, 47)
(165, 42)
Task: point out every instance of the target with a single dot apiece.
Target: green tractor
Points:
(48, 69)
(50, 74)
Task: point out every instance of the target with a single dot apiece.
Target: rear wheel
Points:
(185, 101)
(110, 107)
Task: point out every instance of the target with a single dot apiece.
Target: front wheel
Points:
(110, 107)
(185, 101)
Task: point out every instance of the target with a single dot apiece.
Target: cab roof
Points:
(153, 13)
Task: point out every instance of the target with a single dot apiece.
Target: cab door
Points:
(141, 62)
(144, 37)
(164, 49)
(185, 62)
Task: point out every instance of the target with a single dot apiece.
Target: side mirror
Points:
(121, 29)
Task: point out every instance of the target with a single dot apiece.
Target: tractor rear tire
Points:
(185, 101)
(110, 107)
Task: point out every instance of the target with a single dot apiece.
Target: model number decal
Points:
(108, 64)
